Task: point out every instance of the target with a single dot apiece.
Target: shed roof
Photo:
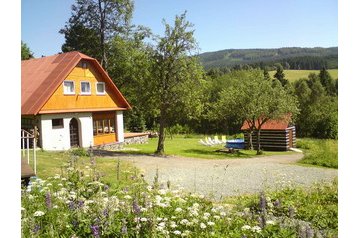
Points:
(271, 124)
(41, 77)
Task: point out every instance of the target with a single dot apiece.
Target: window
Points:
(103, 126)
(100, 87)
(85, 88)
(68, 87)
(84, 65)
(57, 123)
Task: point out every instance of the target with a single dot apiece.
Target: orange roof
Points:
(41, 77)
(271, 124)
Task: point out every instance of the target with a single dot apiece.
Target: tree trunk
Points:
(251, 146)
(258, 142)
(161, 139)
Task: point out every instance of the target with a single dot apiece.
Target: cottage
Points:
(72, 101)
(277, 135)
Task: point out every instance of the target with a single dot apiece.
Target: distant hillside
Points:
(295, 57)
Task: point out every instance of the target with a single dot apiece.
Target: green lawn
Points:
(294, 75)
(51, 163)
(189, 146)
(319, 152)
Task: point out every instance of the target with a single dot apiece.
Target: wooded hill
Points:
(290, 58)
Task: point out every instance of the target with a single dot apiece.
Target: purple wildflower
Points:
(36, 229)
(95, 231)
(262, 202)
(80, 203)
(136, 208)
(72, 205)
(105, 212)
(106, 187)
(277, 203)
(291, 212)
(124, 229)
(48, 200)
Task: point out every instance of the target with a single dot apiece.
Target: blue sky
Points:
(218, 24)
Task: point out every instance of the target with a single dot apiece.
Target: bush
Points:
(82, 152)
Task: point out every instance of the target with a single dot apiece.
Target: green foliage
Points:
(94, 23)
(79, 152)
(25, 52)
(280, 75)
(319, 152)
(318, 106)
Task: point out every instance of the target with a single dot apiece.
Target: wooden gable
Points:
(77, 102)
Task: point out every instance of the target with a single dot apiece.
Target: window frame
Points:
(74, 87)
(60, 125)
(85, 93)
(104, 88)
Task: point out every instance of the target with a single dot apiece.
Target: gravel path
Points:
(231, 176)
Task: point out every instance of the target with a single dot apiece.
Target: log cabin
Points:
(276, 135)
(72, 101)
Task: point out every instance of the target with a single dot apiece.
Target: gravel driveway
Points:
(223, 177)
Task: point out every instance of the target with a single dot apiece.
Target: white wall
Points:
(59, 138)
(120, 126)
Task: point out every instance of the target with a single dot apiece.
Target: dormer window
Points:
(85, 88)
(100, 88)
(68, 87)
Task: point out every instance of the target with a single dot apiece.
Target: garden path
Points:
(225, 177)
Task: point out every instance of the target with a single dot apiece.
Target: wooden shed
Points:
(276, 135)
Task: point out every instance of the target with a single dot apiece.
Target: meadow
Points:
(294, 75)
(80, 201)
(79, 195)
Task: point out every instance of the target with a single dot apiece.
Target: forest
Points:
(289, 57)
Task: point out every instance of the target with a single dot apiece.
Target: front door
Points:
(74, 135)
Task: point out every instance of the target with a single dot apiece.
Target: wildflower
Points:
(36, 228)
(124, 229)
(222, 214)
(216, 217)
(210, 223)
(176, 232)
(173, 225)
(127, 197)
(256, 229)
(143, 219)
(245, 227)
(178, 210)
(162, 191)
(206, 214)
(48, 200)
(270, 222)
(95, 231)
(39, 213)
(136, 208)
(162, 224)
(184, 222)
(202, 225)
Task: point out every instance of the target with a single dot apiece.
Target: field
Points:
(294, 75)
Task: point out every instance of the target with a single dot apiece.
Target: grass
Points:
(189, 146)
(294, 75)
(51, 163)
(319, 152)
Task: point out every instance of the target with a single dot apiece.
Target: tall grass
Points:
(319, 152)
